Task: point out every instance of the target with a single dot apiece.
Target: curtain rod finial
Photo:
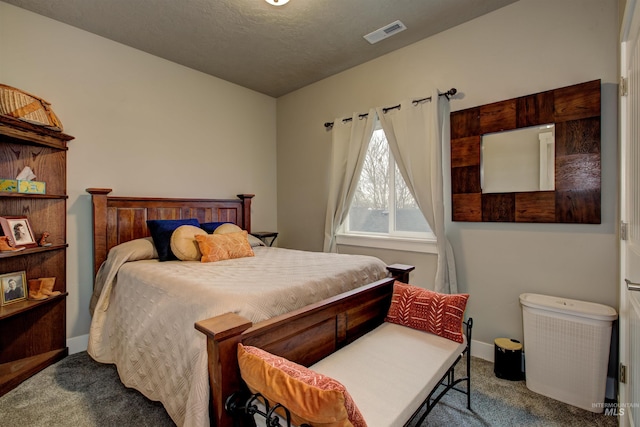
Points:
(451, 92)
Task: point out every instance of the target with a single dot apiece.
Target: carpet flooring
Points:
(78, 391)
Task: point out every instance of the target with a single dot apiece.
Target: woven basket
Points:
(30, 108)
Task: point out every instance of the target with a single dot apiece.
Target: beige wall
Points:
(143, 126)
(527, 47)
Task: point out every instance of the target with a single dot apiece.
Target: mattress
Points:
(145, 312)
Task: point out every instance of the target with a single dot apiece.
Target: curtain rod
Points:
(448, 94)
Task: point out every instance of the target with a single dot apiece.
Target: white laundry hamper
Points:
(566, 346)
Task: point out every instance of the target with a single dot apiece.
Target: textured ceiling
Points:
(273, 50)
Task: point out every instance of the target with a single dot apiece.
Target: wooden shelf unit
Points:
(34, 332)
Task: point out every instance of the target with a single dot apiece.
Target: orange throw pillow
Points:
(309, 396)
(218, 247)
(418, 308)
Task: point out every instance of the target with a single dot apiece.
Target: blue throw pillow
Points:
(161, 231)
(210, 227)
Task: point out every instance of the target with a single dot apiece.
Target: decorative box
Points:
(8, 185)
(32, 187)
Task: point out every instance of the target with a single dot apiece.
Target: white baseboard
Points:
(78, 344)
(482, 350)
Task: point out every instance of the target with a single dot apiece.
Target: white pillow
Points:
(254, 241)
(183, 242)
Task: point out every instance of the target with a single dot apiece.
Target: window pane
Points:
(408, 216)
(369, 220)
(370, 207)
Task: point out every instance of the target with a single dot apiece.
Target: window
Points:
(383, 205)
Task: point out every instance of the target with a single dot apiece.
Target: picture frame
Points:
(13, 287)
(19, 231)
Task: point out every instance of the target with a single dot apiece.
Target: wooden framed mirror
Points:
(575, 111)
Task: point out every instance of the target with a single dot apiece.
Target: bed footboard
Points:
(303, 336)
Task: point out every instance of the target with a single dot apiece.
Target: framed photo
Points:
(18, 229)
(14, 287)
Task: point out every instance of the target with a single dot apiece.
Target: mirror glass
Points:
(518, 160)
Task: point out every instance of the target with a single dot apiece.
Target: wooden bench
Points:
(322, 336)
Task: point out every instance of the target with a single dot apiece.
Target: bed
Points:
(145, 310)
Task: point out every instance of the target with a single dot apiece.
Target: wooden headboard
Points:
(120, 219)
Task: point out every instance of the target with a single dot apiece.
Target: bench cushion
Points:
(390, 371)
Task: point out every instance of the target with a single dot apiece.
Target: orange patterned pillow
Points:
(217, 247)
(418, 308)
(311, 397)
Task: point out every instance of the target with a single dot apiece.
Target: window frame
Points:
(424, 242)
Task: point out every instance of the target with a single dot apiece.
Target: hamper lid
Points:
(590, 310)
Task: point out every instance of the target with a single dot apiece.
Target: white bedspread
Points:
(144, 322)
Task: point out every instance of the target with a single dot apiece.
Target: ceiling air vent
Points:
(384, 32)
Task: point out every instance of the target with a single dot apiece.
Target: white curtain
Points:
(350, 140)
(415, 135)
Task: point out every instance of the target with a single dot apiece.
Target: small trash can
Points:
(508, 359)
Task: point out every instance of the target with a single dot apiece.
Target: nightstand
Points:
(265, 235)
(401, 271)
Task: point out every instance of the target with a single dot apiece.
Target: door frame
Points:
(629, 28)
